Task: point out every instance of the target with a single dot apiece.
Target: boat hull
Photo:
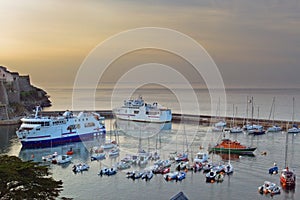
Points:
(233, 151)
(51, 142)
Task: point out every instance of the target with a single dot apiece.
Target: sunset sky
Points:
(254, 43)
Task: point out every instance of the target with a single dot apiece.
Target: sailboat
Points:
(235, 129)
(287, 177)
(273, 128)
(254, 129)
(221, 124)
(295, 128)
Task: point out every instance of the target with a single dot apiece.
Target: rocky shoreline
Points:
(18, 97)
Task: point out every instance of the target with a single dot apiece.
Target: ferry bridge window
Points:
(136, 112)
(90, 124)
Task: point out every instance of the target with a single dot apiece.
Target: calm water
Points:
(250, 172)
(62, 100)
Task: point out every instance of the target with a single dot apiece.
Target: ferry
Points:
(138, 110)
(48, 131)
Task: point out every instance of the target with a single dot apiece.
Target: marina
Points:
(249, 171)
(132, 148)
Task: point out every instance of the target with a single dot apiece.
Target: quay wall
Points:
(204, 120)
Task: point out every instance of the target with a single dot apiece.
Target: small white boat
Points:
(122, 165)
(147, 175)
(109, 145)
(269, 187)
(201, 157)
(228, 168)
(50, 158)
(80, 167)
(274, 128)
(62, 159)
(107, 171)
(98, 156)
(219, 178)
(142, 160)
(182, 166)
(114, 152)
(294, 129)
(236, 129)
(210, 176)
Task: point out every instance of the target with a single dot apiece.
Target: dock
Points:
(204, 120)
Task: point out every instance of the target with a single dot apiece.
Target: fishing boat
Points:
(48, 131)
(287, 177)
(139, 110)
(235, 147)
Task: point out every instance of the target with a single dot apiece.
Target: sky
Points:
(253, 43)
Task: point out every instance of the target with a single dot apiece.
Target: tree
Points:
(26, 180)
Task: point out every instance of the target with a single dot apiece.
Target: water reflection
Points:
(227, 157)
(142, 129)
(7, 134)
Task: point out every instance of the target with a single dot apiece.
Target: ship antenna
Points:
(37, 109)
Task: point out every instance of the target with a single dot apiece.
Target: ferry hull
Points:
(51, 142)
(150, 120)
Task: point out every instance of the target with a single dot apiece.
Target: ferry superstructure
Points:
(138, 110)
(45, 131)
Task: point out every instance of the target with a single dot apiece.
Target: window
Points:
(90, 124)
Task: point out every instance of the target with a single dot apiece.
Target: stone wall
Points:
(24, 84)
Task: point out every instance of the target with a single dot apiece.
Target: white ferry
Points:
(138, 110)
(42, 131)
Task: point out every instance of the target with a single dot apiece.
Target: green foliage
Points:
(26, 95)
(26, 180)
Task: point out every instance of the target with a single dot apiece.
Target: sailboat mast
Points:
(293, 111)
(252, 110)
(273, 110)
(286, 150)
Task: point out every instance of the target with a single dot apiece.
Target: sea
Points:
(250, 172)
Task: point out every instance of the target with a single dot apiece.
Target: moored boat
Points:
(80, 167)
(98, 156)
(269, 188)
(62, 159)
(139, 110)
(49, 131)
(228, 146)
(287, 178)
(274, 128)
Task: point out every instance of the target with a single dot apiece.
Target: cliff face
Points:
(17, 95)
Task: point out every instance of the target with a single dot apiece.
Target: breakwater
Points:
(205, 120)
